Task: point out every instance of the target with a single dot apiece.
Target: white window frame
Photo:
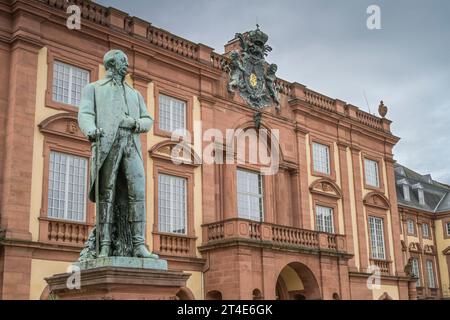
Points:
(322, 224)
(70, 99)
(318, 165)
(421, 196)
(67, 182)
(170, 126)
(430, 274)
(377, 241)
(410, 225)
(175, 221)
(416, 270)
(406, 193)
(448, 228)
(245, 197)
(426, 230)
(368, 165)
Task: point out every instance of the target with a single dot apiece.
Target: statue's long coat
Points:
(102, 106)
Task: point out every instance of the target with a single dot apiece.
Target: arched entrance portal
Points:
(297, 282)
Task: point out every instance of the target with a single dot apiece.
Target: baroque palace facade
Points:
(338, 205)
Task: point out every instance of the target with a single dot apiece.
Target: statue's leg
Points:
(135, 175)
(107, 187)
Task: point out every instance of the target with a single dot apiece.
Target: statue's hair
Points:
(111, 56)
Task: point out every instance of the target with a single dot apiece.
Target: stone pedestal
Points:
(118, 278)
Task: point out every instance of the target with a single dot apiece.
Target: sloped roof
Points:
(436, 194)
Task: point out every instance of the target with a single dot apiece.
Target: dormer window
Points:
(420, 194)
(405, 186)
(406, 195)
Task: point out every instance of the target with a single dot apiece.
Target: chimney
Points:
(233, 44)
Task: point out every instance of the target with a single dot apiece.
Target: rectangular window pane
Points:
(371, 173)
(249, 195)
(321, 158)
(172, 113)
(172, 204)
(430, 272)
(377, 238)
(426, 230)
(410, 224)
(416, 271)
(67, 187)
(448, 228)
(68, 81)
(324, 219)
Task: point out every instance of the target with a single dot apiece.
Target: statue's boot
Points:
(137, 219)
(139, 248)
(106, 215)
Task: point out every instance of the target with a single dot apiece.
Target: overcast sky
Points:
(327, 46)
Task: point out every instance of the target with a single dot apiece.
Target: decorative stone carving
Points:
(382, 109)
(72, 127)
(408, 268)
(250, 74)
(414, 247)
(62, 124)
(428, 248)
(378, 200)
(180, 152)
(326, 187)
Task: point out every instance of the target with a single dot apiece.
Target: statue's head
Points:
(116, 61)
(234, 55)
(273, 68)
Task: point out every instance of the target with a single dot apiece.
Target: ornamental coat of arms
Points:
(250, 74)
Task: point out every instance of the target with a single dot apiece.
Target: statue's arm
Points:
(145, 121)
(86, 113)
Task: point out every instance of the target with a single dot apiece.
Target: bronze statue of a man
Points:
(115, 113)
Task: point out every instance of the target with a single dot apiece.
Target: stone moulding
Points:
(123, 262)
(119, 283)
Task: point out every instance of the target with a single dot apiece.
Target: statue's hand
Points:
(129, 123)
(138, 128)
(94, 134)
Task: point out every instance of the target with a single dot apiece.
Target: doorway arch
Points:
(297, 282)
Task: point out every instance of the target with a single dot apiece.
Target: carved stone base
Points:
(117, 283)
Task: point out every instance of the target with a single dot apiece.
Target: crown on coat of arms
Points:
(258, 37)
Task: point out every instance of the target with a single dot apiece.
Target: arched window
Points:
(66, 215)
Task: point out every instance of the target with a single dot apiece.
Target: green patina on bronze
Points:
(250, 74)
(112, 114)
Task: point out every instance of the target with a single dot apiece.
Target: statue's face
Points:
(122, 64)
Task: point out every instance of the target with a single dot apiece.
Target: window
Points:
(377, 238)
(68, 81)
(67, 187)
(426, 230)
(421, 196)
(430, 273)
(406, 194)
(172, 113)
(371, 173)
(410, 225)
(172, 204)
(321, 158)
(416, 270)
(249, 195)
(448, 228)
(324, 219)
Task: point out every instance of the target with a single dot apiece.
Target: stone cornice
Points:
(232, 242)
